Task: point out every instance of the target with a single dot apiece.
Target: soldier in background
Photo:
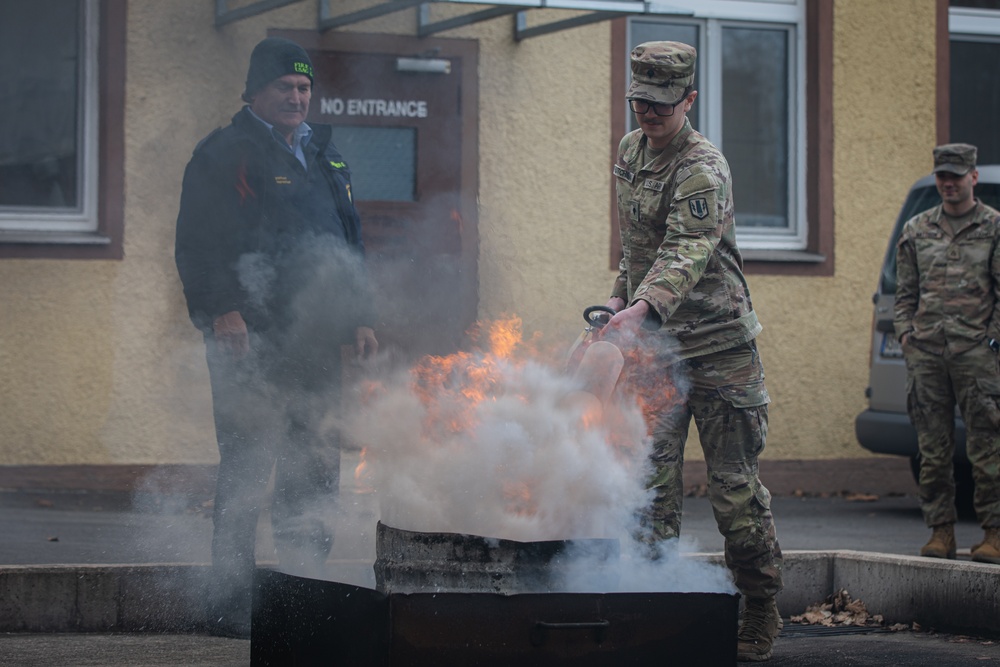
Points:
(681, 275)
(947, 317)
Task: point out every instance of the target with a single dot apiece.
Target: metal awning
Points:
(597, 10)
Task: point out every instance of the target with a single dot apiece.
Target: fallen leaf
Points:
(839, 609)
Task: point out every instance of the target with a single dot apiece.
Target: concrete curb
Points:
(951, 595)
(101, 598)
(945, 595)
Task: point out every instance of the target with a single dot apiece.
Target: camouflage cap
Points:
(957, 158)
(661, 71)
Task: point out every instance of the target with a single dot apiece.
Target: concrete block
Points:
(162, 598)
(101, 598)
(808, 577)
(945, 594)
(56, 599)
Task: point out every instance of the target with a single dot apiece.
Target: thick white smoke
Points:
(527, 468)
(527, 460)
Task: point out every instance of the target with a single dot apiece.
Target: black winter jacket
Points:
(259, 234)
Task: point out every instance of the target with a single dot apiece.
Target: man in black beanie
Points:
(269, 251)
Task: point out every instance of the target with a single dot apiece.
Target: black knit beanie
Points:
(273, 58)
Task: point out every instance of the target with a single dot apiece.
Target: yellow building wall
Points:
(101, 365)
(816, 337)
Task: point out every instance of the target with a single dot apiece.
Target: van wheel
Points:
(964, 486)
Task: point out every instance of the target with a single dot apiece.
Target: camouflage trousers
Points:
(935, 384)
(728, 401)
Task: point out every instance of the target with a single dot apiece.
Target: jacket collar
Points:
(978, 214)
(245, 121)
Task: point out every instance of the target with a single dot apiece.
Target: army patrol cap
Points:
(661, 71)
(957, 158)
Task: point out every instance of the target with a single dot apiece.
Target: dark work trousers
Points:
(264, 421)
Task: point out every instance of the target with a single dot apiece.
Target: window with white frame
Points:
(974, 77)
(49, 120)
(750, 79)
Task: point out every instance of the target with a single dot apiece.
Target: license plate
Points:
(891, 347)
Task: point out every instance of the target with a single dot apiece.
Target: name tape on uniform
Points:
(621, 172)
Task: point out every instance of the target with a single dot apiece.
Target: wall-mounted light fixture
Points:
(423, 65)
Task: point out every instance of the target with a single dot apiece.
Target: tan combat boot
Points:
(759, 627)
(942, 542)
(988, 551)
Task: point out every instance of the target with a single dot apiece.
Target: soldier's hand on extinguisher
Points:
(615, 303)
(627, 322)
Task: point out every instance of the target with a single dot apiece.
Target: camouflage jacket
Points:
(679, 243)
(948, 288)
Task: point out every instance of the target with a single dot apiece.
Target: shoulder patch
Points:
(696, 200)
(699, 182)
(699, 207)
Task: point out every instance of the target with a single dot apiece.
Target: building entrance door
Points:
(404, 112)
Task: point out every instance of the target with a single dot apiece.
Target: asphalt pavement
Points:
(88, 528)
(93, 528)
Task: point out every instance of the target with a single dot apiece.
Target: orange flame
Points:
(592, 416)
(505, 336)
(451, 387)
(646, 380)
(519, 498)
(362, 473)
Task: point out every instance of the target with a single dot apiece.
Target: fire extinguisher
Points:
(595, 317)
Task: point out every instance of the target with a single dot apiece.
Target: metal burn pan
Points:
(418, 562)
(300, 621)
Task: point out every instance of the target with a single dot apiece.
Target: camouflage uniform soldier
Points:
(947, 318)
(681, 274)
